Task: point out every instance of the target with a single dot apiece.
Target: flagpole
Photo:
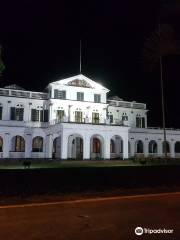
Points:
(162, 96)
(80, 58)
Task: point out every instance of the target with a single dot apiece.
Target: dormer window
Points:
(59, 94)
(97, 98)
(80, 96)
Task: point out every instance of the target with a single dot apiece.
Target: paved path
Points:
(90, 219)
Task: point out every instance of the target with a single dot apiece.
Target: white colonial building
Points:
(73, 119)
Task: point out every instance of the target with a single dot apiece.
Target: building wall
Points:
(63, 139)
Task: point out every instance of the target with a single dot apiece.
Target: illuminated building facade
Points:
(73, 119)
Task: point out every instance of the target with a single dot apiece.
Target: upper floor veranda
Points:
(76, 99)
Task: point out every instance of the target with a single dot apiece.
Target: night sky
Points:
(40, 41)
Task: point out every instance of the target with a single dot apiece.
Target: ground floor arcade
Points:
(86, 141)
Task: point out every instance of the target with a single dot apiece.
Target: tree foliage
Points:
(2, 66)
(162, 42)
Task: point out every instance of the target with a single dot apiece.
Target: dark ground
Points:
(109, 219)
(67, 180)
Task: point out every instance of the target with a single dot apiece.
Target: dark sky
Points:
(40, 42)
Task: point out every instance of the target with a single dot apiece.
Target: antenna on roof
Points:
(80, 57)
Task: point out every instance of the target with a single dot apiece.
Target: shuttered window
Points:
(97, 98)
(39, 115)
(78, 116)
(17, 114)
(59, 94)
(1, 109)
(80, 96)
(95, 118)
(60, 115)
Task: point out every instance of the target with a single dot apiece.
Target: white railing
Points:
(23, 94)
(38, 154)
(10, 123)
(127, 104)
(16, 154)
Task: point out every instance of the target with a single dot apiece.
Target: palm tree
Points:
(2, 66)
(161, 43)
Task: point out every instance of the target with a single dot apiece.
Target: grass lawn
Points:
(72, 164)
(92, 164)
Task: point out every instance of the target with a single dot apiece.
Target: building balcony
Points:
(101, 121)
(23, 94)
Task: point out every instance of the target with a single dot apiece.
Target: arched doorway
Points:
(37, 144)
(177, 149)
(75, 147)
(1, 144)
(153, 147)
(116, 147)
(18, 144)
(139, 148)
(97, 147)
(56, 153)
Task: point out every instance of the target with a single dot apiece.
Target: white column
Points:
(49, 146)
(7, 112)
(172, 152)
(146, 148)
(106, 147)
(28, 145)
(64, 146)
(125, 146)
(50, 112)
(132, 148)
(6, 145)
(86, 148)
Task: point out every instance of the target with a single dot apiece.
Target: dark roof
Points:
(14, 86)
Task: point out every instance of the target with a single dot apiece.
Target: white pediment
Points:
(80, 81)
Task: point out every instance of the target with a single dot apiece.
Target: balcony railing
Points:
(23, 94)
(127, 104)
(102, 121)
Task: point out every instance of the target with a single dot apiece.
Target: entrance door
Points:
(78, 116)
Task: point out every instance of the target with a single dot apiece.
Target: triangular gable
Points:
(80, 81)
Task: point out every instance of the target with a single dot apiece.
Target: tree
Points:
(162, 42)
(2, 66)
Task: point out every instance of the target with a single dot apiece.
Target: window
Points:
(18, 144)
(97, 98)
(111, 118)
(124, 117)
(78, 116)
(138, 122)
(95, 118)
(80, 96)
(17, 114)
(59, 94)
(37, 145)
(143, 122)
(59, 115)
(1, 108)
(39, 115)
(34, 115)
